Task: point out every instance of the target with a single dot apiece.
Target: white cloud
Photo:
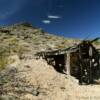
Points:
(53, 17)
(46, 21)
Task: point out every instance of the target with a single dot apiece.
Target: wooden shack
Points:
(80, 61)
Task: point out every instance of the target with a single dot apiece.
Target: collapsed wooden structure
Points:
(81, 61)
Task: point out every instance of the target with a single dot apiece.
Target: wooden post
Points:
(67, 63)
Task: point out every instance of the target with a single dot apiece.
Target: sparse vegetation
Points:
(97, 42)
(24, 77)
(3, 57)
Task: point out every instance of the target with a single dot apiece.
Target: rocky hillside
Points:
(25, 40)
(22, 77)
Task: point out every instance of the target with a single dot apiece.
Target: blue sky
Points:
(70, 18)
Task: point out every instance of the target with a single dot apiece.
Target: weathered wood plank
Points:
(68, 63)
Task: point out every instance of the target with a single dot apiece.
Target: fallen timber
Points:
(81, 61)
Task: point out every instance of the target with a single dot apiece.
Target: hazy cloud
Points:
(46, 21)
(53, 17)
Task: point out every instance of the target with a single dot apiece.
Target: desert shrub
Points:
(97, 42)
(3, 56)
(60, 46)
(22, 50)
(13, 44)
(39, 31)
(3, 62)
(16, 46)
(26, 24)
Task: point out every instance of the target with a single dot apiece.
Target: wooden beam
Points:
(67, 63)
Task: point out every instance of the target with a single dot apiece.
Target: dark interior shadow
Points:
(80, 69)
(57, 61)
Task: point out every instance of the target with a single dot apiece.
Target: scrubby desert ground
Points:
(22, 77)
